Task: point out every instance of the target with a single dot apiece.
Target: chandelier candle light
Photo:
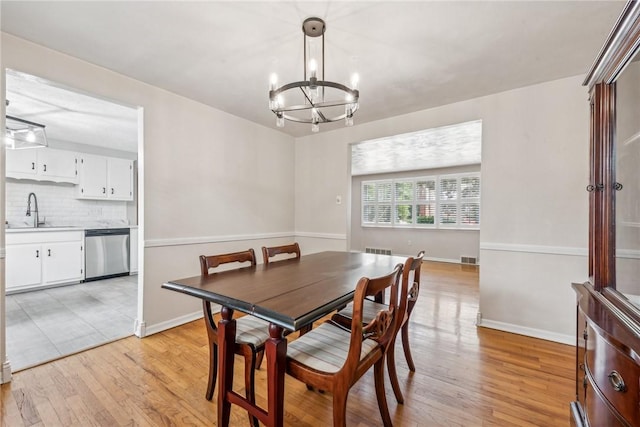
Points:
(318, 100)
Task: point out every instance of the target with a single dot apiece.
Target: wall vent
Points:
(468, 260)
(377, 251)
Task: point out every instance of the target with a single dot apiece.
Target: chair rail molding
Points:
(534, 249)
(331, 236)
(178, 241)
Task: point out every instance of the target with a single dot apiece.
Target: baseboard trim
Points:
(529, 332)
(5, 373)
(447, 260)
(171, 323)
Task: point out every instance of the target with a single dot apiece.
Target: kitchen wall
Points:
(59, 205)
(534, 213)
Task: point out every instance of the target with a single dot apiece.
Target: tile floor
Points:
(46, 324)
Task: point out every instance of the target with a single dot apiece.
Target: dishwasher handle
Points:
(106, 232)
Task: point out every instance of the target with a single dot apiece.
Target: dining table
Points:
(289, 294)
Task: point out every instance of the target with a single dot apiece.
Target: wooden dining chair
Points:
(333, 358)
(270, 252)
(410, 274)
(251, 332)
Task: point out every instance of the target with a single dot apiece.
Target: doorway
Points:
(54, 312)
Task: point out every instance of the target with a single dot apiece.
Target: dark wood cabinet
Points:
(608, 305)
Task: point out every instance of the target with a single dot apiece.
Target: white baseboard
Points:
(5, 373)
(172, 323)
(530, 332)
(140, 328)
(450, 261)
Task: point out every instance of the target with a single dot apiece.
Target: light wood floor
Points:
(466, 376)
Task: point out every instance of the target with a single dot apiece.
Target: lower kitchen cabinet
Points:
(24, 266)
(43, 258)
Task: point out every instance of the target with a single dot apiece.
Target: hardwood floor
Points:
(465, 376)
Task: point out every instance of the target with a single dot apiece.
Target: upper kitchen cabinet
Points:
(107, 178)
(42, 164)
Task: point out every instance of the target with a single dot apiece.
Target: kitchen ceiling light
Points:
(22, 133)
(313, 100)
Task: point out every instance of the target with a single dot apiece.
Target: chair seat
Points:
(370, 310)
(325, 348)
(252, 331)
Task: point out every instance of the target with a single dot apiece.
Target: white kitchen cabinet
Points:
(120, 179)
(36, 259)
(24, 266)
(42, 164)
(107, 178)
(62, 262)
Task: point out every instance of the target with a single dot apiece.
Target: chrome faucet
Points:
(36, 218)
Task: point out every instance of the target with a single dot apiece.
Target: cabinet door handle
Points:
(37, 253)
(49, 250)
(33, 166)
(104, 190)
(617, 382)
(112, 191)
(45, 168)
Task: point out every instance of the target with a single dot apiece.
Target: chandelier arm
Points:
(307, 97)
(323, 118)
(318, 105)
(353, 92)
(303, 120)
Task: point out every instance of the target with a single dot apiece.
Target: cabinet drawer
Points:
(598, 410)
(609, 366)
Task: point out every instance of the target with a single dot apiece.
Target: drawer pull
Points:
(617, 382)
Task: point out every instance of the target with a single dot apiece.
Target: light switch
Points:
(338, 200)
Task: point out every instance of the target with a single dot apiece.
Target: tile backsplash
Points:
(57, 203)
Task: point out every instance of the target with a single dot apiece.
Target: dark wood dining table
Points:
(289, 294)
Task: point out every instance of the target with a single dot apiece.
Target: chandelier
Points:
(313, 100)
(22, 133)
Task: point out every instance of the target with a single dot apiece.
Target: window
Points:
(445, 201)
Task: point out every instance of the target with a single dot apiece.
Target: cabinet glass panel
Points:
(627, 200)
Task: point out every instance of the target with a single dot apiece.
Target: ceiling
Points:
(410, 56)
(71, 116)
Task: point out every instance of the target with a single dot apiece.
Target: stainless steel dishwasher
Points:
(106, 253)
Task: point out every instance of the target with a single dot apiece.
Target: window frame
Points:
(437, 202)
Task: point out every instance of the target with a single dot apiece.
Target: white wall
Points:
(203, 175)
(534, 207)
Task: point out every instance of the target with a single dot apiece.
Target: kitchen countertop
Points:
(64, 228)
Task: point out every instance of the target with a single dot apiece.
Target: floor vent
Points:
(377, 251)
(468, 260)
